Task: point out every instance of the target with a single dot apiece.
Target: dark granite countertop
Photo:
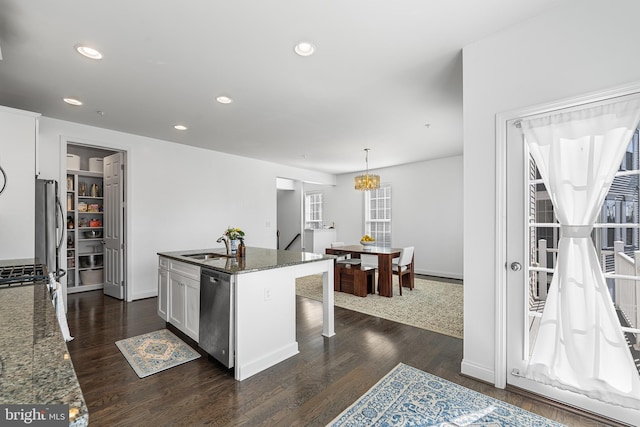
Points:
(36, 367)
(256, 259)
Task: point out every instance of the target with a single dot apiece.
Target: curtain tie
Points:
(576, 231)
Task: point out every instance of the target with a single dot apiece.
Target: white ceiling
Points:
(383, 70)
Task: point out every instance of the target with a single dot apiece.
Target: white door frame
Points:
(128, 217)
(500, 366)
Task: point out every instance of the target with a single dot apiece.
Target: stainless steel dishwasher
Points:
(216, 316)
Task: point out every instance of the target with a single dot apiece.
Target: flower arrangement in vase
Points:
(234, 234)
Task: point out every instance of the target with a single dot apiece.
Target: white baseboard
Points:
(143, 295)
(247, 369)
(443, 274)
(476, 371)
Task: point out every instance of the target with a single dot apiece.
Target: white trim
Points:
(443, 274)
(36, 139)
(142, 295)
(500, 362)
(10, 110)
(476, 371)
(129, 160)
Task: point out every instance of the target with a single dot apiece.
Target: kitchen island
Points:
(262, 315)
(36, 366)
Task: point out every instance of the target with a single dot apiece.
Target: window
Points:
(313, 210)
(377, 215)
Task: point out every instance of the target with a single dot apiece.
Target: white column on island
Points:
(328, 329)
(324, 267)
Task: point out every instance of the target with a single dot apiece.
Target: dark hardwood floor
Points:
(309, 389)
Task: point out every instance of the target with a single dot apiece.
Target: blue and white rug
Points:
(407, 396)
(156, 351)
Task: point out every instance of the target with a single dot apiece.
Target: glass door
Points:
(533, 237)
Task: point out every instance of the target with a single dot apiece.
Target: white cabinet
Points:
(181, 284)
(18, 133)
(177, 300)
(317, 240)
(163, 288)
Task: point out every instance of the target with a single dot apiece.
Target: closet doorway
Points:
(95, 216)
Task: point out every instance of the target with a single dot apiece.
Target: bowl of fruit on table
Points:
(367, 240)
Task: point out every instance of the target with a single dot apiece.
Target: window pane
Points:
(378, 215)
(313, 210)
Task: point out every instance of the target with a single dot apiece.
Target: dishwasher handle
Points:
(215, 276)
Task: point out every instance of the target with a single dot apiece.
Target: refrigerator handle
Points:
(60, 222)
(59, 226)
(4, 177)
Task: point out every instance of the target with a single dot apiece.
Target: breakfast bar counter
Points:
(256, 259)
(260, 302)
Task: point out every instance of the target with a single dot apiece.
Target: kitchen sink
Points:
(205, 256)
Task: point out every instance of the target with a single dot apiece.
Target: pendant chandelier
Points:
(367, 182)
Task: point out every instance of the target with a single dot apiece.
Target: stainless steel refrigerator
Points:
(49, 226)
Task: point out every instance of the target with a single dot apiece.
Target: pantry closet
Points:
(89, 209)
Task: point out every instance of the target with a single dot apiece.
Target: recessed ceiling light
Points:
(88, 52)
(224, 99)
(180, 127)
(305, 49)
(72, 101)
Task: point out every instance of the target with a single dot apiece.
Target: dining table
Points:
(385, 260)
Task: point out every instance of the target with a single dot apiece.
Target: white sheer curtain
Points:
(580, 346)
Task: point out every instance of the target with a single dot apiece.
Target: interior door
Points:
(522, 271)
(114, 226)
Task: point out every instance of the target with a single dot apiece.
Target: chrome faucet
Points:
(226, 242)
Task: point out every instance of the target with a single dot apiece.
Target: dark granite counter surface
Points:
(255, 259)
(35, 366)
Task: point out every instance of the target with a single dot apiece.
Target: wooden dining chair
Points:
(402, 267)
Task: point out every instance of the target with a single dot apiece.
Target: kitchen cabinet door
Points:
(177, 304)
(183, 296)
(192, 308)
(18, 130)
(163, 293)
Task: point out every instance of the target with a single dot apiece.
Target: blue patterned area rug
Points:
(156, 351)
(407, 396)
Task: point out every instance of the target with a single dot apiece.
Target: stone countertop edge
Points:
(256, 259)
(37, 366)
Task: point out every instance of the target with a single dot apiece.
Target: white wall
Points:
(179, 197)
(579, 47)
(426, 212)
